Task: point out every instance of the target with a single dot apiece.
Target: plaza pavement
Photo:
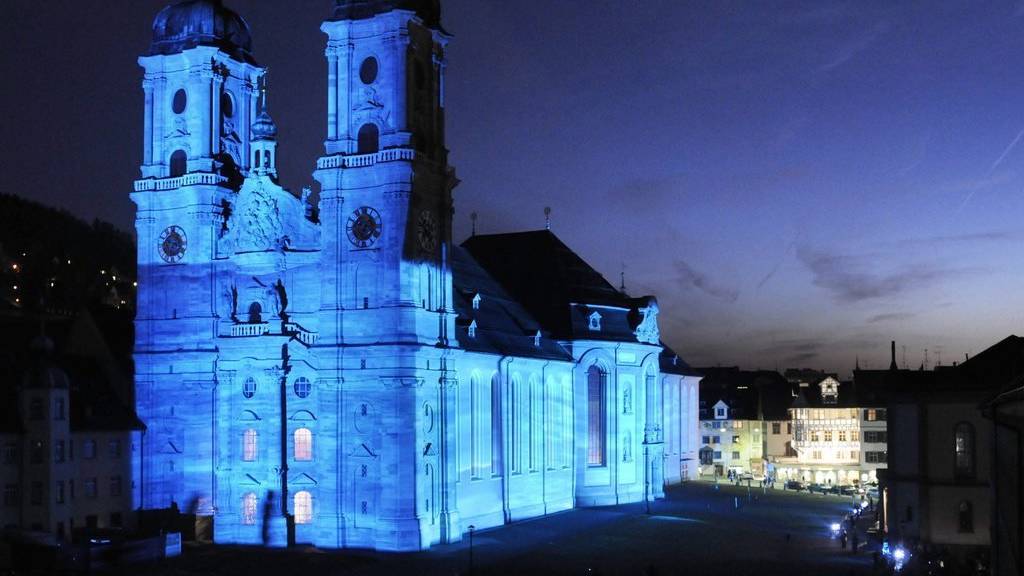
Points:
(698, 529)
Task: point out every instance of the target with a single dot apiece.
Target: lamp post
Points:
(471, 529)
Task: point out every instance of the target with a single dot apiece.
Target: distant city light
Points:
(135, 284)
(899, 554)
(14, 267)
(104, 272)
(835, 526)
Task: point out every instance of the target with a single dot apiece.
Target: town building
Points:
(939, 488)
(1006, 411)
(330, 368)
(744, 420)
(66, 435)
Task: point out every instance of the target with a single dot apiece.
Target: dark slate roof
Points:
(95, 406)
(670, 363)
(750, 394)
(503, 326)
(548, 279)
(810, 397)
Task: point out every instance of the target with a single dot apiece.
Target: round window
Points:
(368, 70)
(303, 387)
(249, 388)
(180, 101)
(227, 105)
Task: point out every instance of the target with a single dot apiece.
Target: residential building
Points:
(66, 439)
(1006, 411)
(332, 369)
(838, 435)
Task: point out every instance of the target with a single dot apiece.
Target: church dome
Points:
(428, 10)
(264, 128)
(194, 23)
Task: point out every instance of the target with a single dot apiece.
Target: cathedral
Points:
(330, 368)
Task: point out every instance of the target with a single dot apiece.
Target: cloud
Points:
(847, 51)
(844, 277)
(891, 317)
(690, 278)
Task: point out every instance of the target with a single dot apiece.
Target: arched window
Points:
(369, 139)
(227, 105)
(255, 313)
(963, 447)
(179, 163)
(477, 426)
(303, 508)
(596, 449)
(249, 509)
(249, 388)
(303, 445)
(303, 387)
(965, 517)
(496, 435)
(249, 445)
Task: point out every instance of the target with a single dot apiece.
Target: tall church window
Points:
(965, 517)
(476, 427)
(516, 414)
(963, 446)
(303, 445)
(303, 507)
(227, 105)
(369, 139)
(249, 445)
(596, 417)
(496, 432)
(249, 509)
(179, 163)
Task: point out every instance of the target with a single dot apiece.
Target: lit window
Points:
(595, 416)
(963, 446)
(249, 388)
(303, 445)
(249, 445)
(828, 435)
(303, 507)
(842, 435)
(303, 387)
(249, 509)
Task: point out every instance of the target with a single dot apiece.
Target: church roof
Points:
(427, 10)
(670, 363)
(556, 286)
(193, 23)
(503, 326)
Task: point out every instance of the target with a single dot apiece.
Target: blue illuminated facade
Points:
(332, 366)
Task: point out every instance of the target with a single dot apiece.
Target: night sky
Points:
(798, 185)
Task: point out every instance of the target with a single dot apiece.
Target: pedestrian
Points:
(854, 542)
(842, 539)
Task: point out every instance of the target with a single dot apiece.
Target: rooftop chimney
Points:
(892, 365)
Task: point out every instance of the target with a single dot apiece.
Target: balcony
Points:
(363, 160)
(197, 178)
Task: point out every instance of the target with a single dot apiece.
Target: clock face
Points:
(364, 227)
(427, 231)
(172, 244)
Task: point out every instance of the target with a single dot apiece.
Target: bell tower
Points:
(199, 105)
(386, 286)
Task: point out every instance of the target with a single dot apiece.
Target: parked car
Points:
(831, 489)
(848, 490)
(794, 485)
(812, 488)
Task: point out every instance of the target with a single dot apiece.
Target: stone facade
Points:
(334, 371)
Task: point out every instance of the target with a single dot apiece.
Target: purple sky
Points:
(798, 185)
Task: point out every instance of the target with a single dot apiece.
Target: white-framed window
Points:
(249, 509)
(249, 445)
(303, 445)
(595, 322)
(472, 329)
(476, 302)
(303, 507)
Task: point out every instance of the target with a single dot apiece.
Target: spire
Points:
(892, 364)
(264, 128)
